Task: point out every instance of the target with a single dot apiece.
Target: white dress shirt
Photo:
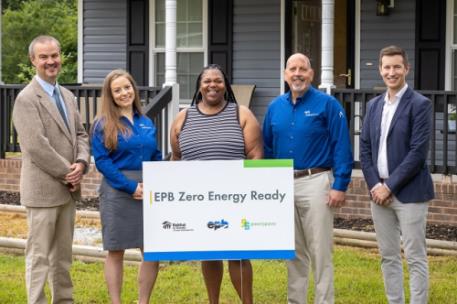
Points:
(388, 111)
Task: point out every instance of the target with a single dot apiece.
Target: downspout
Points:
(80, 42)
(1, 38)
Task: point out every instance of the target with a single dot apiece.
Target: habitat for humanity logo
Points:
(247, 225)
(175, 226)
(218, 224)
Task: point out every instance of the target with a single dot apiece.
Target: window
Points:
(189, 44)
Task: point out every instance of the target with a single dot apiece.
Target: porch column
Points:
(328, 19)
(170, 42)
(170, 62)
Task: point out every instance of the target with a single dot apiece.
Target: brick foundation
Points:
(442, 210)
(10, 173)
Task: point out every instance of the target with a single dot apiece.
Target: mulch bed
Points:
(12, 198)
(434, 231)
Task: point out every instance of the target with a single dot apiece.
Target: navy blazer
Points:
(408, 141)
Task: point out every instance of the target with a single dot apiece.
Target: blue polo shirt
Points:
(313, 132)
(130, 153)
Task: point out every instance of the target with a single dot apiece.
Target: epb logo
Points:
(222, 224)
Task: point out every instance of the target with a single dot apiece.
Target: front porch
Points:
(158, 105)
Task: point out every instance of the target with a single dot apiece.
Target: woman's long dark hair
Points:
(229, 96)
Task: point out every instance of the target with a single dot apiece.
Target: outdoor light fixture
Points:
(383, 7)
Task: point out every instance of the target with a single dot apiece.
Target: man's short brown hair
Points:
(393, 50)
(41, 39)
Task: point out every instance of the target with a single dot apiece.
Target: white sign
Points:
(214, 210)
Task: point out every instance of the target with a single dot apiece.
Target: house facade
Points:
(169, 41)
(251, 39)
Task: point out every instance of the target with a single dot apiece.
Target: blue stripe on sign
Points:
(219, 255)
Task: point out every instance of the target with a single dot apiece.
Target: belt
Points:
(307, 172)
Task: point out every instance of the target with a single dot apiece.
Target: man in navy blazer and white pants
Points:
(393, 150)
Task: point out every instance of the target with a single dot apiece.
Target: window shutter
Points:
(137, 41)
(220, 26)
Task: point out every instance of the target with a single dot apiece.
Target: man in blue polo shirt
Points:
(310, 127)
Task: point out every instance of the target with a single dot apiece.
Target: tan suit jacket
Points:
(48, 146)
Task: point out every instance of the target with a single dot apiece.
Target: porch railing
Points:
(155, 102)
(443, 144)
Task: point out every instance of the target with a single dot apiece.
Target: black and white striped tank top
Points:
(212, 137)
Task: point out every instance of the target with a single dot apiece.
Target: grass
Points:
(357, 280)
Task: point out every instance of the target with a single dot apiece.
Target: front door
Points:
(304, 32)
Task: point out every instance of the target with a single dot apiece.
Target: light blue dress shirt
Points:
(49, 89)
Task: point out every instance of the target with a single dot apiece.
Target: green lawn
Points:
(357, 278)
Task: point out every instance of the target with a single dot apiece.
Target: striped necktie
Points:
(59, 105)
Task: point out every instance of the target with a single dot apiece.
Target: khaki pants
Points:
(402, 222)
(313, 240)
(49, 253)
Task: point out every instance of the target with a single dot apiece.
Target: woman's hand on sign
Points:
(138, 194)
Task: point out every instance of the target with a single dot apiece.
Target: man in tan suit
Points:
(55, 155)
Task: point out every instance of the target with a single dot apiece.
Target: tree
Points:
(11, 4)
(33, 18)
(16, 4)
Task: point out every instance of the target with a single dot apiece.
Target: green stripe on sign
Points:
(268, 163)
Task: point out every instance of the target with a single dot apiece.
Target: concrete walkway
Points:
(89, 236)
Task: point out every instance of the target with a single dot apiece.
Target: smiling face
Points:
(393, 71)
(47, 61)
(123, 93)
(298, 74)
(212, 87)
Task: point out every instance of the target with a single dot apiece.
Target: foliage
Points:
(358, 280)
(16, 4)
(11, 4)
(24, 20)
(452, 115)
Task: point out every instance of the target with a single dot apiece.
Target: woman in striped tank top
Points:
(216, 128)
